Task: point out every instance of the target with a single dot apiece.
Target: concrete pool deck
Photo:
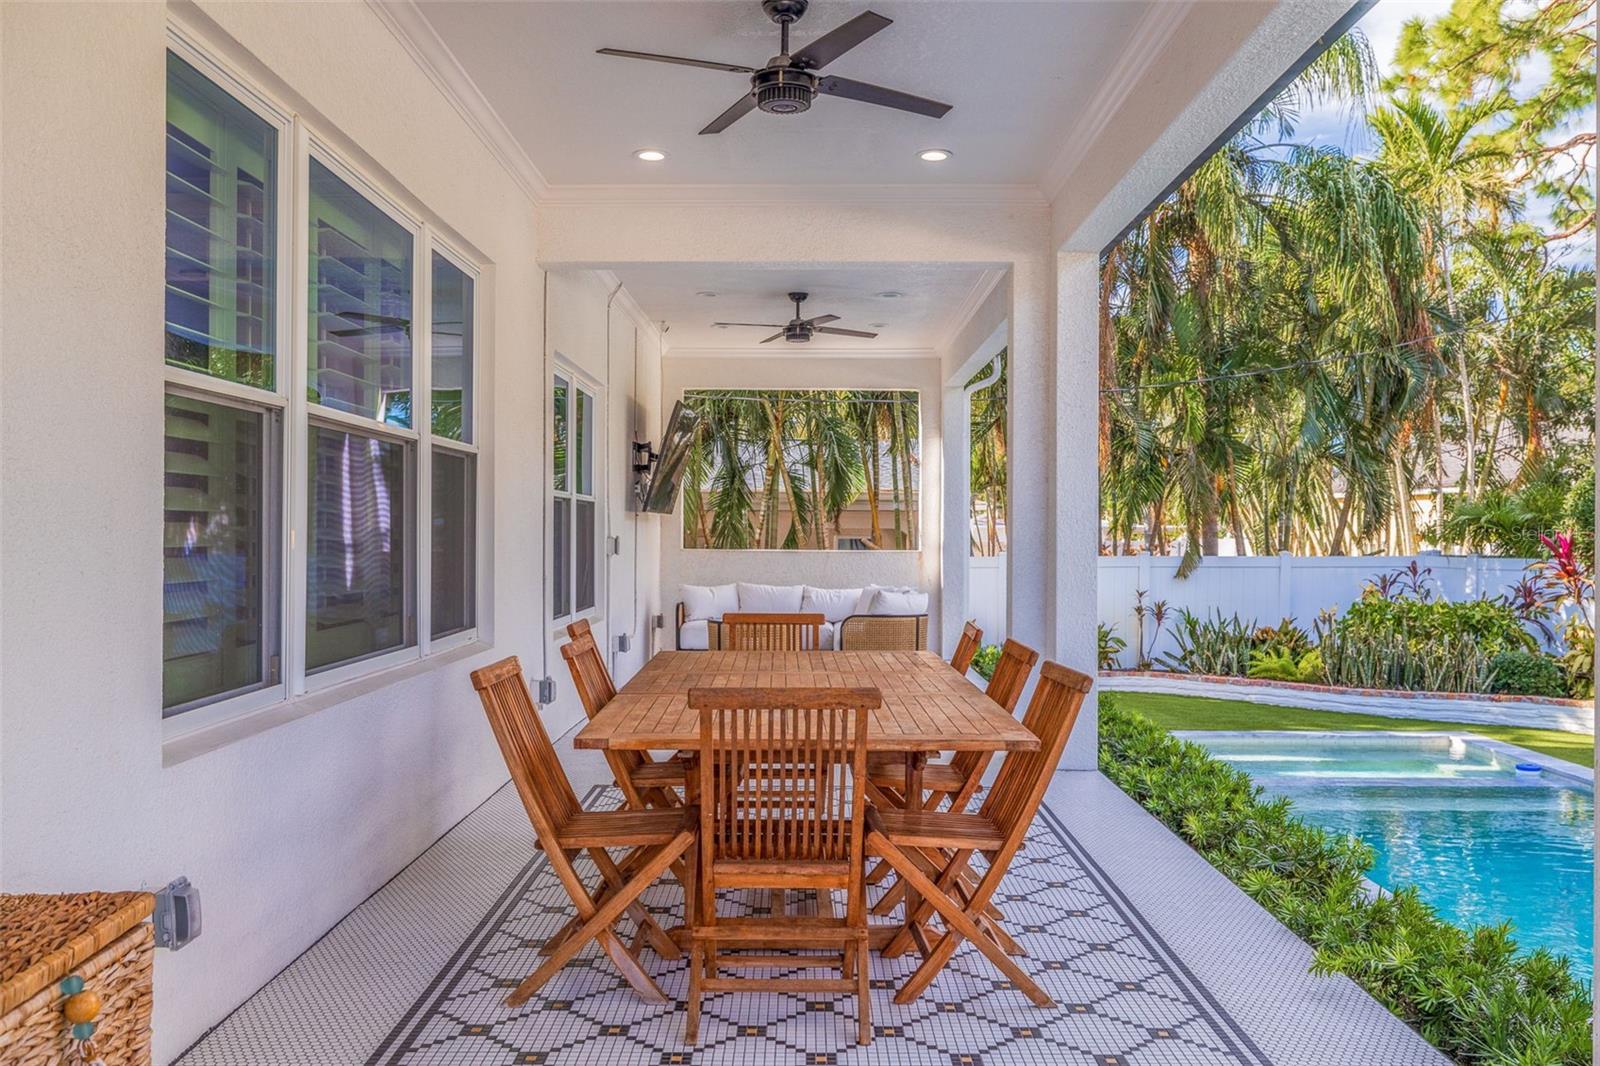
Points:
(1160, 961)
(1559, 767)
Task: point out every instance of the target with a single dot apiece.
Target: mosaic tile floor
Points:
(1123, 999)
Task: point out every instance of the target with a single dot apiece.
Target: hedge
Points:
(1469, 992)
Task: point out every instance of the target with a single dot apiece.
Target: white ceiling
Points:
(935, 297)
(1021, 77)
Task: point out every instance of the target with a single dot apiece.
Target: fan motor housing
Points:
(797, 333)
(783, 90)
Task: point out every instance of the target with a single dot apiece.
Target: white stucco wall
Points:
(829, 569)
(285, 831)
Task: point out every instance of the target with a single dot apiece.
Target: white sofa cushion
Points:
(708, 601)
(695, 636)
(894, 601)
(828, 636)
(833, 604)
(770, 599)
(870, 593)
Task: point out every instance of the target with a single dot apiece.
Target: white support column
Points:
(957, 426)
(1074, 485)
(1028, 432)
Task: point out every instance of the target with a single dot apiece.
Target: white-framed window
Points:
(318, 525)
(575, 508)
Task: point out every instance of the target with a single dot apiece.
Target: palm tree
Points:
(763, 458)
(1434, 157)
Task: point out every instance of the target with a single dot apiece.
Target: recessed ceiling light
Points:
(650, 155)
(890, 295)
(877, 325)
(706, 293)
(934, 155)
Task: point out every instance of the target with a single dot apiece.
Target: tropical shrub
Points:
(1578, 662)
(1157, 614)
(1285, 636)
(1527, 673)
(1469, 992)
(1492, 624)
(984, 662)
(1357, 657)
(1111, 646)
(1212, 645)
(1281, 664)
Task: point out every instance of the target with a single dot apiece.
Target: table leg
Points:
(916, 762)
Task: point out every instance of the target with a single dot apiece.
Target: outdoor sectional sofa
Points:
(861, 619)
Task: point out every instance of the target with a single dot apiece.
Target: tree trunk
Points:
(1463, 377)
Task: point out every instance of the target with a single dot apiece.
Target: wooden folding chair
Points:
(644, 781)
(564, 830)
(967, 647)
(959, 779)
(772, 632)
(931, 851)
(778, 810)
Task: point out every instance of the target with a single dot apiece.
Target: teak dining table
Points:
(927, 707)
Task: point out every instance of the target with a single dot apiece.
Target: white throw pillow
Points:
(770, 599)
(701, 602)
(870, 593)
(833, 604)
(893, 601)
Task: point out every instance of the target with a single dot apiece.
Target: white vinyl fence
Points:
(1261, 590)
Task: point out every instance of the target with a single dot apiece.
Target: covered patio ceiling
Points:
(914, 308)
(1052, 102)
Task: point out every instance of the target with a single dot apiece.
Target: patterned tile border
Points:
(1124, 998)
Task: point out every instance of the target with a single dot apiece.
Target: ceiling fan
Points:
(787, 84)
(799, 330)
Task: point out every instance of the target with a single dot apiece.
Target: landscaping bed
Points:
(1469, 992)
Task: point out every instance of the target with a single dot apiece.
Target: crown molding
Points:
(746, 351)
(417, 36)
(1149, 39)
(767, 195)
(969, 305)
(625, 301)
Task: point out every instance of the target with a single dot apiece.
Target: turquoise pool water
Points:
(1481, 844)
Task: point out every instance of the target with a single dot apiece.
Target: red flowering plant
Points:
(1565, 574)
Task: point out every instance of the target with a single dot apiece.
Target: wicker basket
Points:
(102, 937)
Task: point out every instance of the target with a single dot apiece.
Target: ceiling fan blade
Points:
(772, 338)
(758, 325)
(845, 332)
(820, 319)
(868, 93)
(836, 42)
(746, 104)
(708, 64)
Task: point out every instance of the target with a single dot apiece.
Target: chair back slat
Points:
(589, 673)
(1011, 674)
(749, 631)
(1024, 775)
(971, 640)
(1005, 688)
(778, 772)
(529, 755)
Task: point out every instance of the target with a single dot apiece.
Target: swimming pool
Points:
(1450, 815)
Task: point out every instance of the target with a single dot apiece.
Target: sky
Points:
(1330, 124)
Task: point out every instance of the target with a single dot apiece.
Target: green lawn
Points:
(1198, 712)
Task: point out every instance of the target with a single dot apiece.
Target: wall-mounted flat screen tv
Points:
(659, 495)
